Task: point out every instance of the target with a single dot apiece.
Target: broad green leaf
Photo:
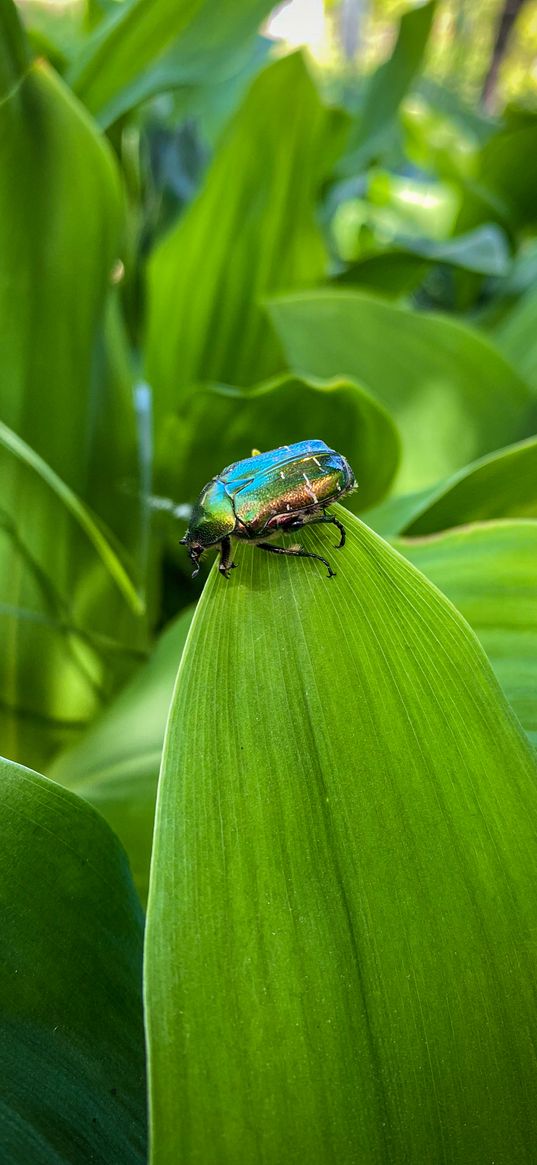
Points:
(342, 907)
(59, 234)
(387, 87)
(218, 425)
(115, 765)
(59, 218)
(208, 49)
(503, 485)
(488, 572)
(71, 1030)
(205, 285)
(453, 396)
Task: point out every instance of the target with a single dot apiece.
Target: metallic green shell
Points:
(266, 493)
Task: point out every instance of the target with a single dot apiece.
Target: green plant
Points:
(201, 255)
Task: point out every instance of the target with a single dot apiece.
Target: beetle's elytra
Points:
(270, 493)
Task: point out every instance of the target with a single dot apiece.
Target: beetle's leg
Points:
(225, 564)
(295, 552)
(325, 518)
(331, 521)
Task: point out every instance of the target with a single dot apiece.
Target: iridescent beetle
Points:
(270, 493)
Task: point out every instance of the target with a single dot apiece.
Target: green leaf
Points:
(204, 287)
(208, 50)
(402, 266)
(83, 517)
(14, 53)
(453, 396)
(105, 75)
(488, 572)
(71, 1031)
(387, 87)
(503, 485)
(484, 250)
(342, 907)
(516, 336)
(116, 763)
(218, 425)
(60, 215)
(506, 182)
(59, 234)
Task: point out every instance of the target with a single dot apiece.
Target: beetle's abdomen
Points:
(284, 492)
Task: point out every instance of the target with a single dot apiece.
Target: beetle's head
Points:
(195, 551)
(212, 519)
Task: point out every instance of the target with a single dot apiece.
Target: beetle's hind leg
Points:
(323, 519)
(225, 564)
(295, 552)
(329, 520)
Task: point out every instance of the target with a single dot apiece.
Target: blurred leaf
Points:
(84, 518)
(386, 88)
(388, 273)
(454, 397)
(484, 250)
(516, 336)
(116, 763)
(252, 230)
(14, 53)
(506, 181)
(149, 48)
(72, 1044)
(404, 264)
(502, 485)
(122, 46)
(59, 234)
(442, 136)
(217, 425)
(488, 572)
(323, 982)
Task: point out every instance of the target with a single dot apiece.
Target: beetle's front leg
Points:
(225, 564)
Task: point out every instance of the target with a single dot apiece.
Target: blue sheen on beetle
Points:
(270, 493)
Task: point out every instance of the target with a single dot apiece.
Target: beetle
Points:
(269, 493)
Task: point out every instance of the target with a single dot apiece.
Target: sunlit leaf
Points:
(72, 1045)
(116, 763)
(453, 396)
(205, 286)
(342, 906)
(488, 571)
